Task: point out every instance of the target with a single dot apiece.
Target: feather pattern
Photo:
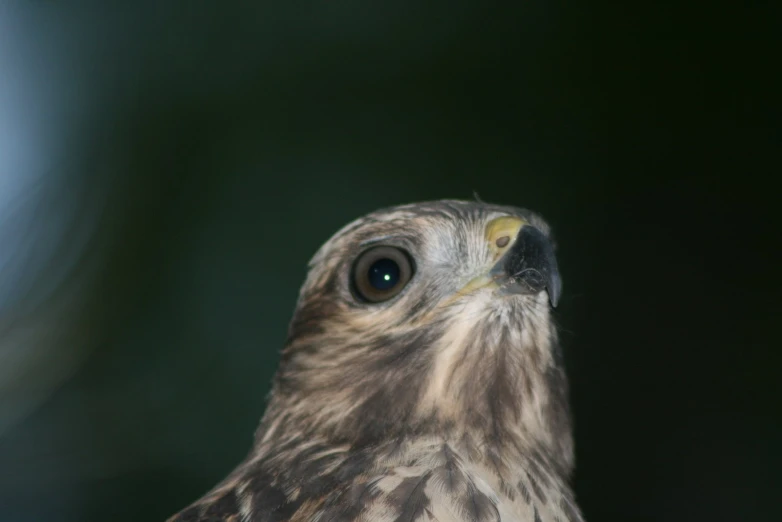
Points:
(424, 408)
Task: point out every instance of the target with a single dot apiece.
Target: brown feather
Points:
(425, 407)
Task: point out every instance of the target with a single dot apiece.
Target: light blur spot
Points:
(43, 232)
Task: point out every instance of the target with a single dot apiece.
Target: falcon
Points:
(421, 380)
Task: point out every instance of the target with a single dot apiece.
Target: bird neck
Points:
(496, 379)
(500, 380)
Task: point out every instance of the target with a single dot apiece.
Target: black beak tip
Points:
(554, 288)
(532, 260)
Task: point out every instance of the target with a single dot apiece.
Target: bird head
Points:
(428, 318)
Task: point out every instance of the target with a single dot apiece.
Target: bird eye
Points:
(380, 273)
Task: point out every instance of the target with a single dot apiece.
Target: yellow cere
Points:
(500, 228)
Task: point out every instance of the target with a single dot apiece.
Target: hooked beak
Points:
(524, 264)
(529, 266)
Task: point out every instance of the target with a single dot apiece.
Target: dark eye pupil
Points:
(383, 274)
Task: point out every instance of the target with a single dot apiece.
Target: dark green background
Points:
(191, 157)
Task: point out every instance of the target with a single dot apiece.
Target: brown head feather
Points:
(423, 381)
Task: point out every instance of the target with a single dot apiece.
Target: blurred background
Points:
(167, 169)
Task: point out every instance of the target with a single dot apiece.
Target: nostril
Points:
(503, 241)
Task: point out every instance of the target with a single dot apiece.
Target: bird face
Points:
(426, 317)
(498, 252)
(410, 263)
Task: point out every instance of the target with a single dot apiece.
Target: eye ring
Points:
(380, 273)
